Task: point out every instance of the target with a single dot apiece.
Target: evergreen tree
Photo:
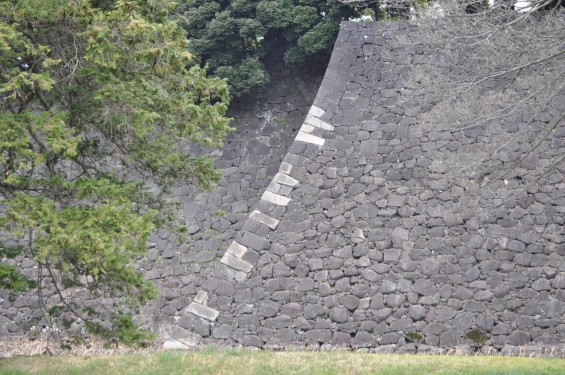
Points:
(232, 37)
(93, 92)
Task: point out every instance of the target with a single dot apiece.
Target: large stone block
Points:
(203, 311)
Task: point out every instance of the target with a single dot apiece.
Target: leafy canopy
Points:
(96, 108)
(231, 37)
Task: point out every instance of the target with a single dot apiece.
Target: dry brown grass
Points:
(19, 346)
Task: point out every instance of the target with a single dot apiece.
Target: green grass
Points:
(245, 362)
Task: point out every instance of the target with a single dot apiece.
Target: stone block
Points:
(201, 298)
(316, 111)
(285, 179)
(203, 311)
(189, 341)
(237, 249)
(309, 138)
(234, 262)
(316, 122)
(276, 199)
(307, 128)
(285, 167)
(264, 219)
(320, 335)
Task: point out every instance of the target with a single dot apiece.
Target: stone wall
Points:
(367, 238)
(364, 236)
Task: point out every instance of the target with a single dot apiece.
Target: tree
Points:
(232, 37)
(96, 109)
(499, 73)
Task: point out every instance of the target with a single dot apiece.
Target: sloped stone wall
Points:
(265, 124)
(367, 238)
(364, 236)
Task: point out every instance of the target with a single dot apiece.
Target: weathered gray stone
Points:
(234, 262)
(381, 314)
(203, 311)
(188, 341)
(285, 168)
(316, 111)
(316, 122)
(341, 339)
(252, 340)
(302, 323)
(369, 147)
(435, 329)
(223, 331)
(305, 284)
(285, 179)
(339, 314)
(237, 249)
(518, 338)
(541, 284)
(264, 219)
(387, 287)
(417, 312)
(275, 198)
(351, 302)
(309, 138)
(363, 340)
(449, 339)
(292, 309)
(399, 234)
(268, 309)
(423, 287)
(395, 300)
(201, 298)
(320, 335)
(430, 267)
(484, 295)
(516, 245)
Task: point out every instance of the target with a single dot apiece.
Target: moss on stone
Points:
(477, 336)
(414, 336)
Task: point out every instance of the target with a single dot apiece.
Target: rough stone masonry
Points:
(365, 237)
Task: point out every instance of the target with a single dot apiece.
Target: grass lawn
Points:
(265, 362)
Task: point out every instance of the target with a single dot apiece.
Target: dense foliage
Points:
(93, 92)
(232, 37)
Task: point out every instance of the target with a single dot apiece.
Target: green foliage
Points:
(92, 92)
(231, 37)
(10, 277)
(245, 76)
(123, 330)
